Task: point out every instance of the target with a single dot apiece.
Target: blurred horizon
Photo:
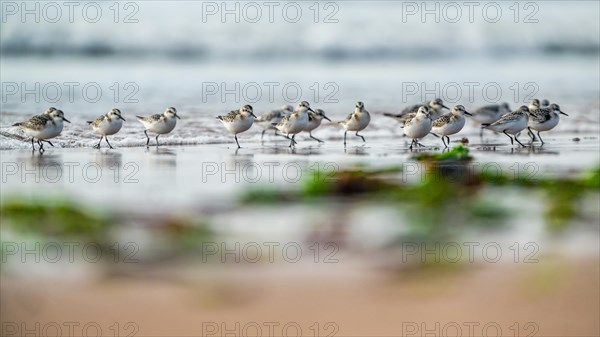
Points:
(206, 31)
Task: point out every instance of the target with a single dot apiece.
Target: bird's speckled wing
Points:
(37, 122)
(443, 120)
(98, 121)
(539, 115)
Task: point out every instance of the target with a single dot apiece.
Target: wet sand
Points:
(354, 298)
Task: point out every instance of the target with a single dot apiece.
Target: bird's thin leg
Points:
(262, 135)
(32, 146)
(412, 142)
(345, 132)
(236, 141)
(317, 139)
(157, 140)
(444, 141)
(517, 139)
(106, 139)
(41, 146)
(530, 133)
(147, 138)
(97, 146)
(511, 139)
(481, 132)
(49, 142)
(363, 138)
(292, 141)
(540, 138)
(448, 141)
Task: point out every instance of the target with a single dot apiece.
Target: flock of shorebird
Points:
(417, 121)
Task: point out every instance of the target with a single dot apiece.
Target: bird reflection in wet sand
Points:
(106, 158)
(162, 157)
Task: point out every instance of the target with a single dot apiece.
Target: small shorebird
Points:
(314, 121)
(159, 123)
(545, 103)
(267, 119)
(534, 105)
(434, 106)
(356, 121)
(450, 123)
(543, 119)
(238, 121)
(295, 122)
(107, 125)
(419, 126)
(488, 114)
(43, 127)
(512, 122)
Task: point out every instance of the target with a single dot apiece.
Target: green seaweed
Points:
(54, 218)
(457, 153)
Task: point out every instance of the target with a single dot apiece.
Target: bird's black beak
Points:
(445, 107)
(66, 120)
(121, 117)
(562, 113)
(252, 114)
(468, 113)
(176, 115)
(327, 118)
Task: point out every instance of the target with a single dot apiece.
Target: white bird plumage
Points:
(450, 123)
(543, 119)
(511, 123)
(314, 121)
(159, 123)
(295, 122)
(419, 126)
(107, 125)
(238, 121)
(43, 127)
(357, 121)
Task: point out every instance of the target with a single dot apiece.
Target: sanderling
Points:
(295, 122)
(534, 105)
(356, 121)
(43, 127)
(419, 126)
(488, 114)
(314, 121)
(543, 119)
(58, 117)
(267, 119)
(450, 123)
(512, 122)
(107, 125)
(159, 123)
(434, 106)
(238, 121)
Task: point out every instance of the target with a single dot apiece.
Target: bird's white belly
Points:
(163, 127)
(418, 129)
(516, 126)
(358, 124)
(239, 125)
(296, 125)
(450, 129)
(548, 125)
(312, 125)
(109, 128)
